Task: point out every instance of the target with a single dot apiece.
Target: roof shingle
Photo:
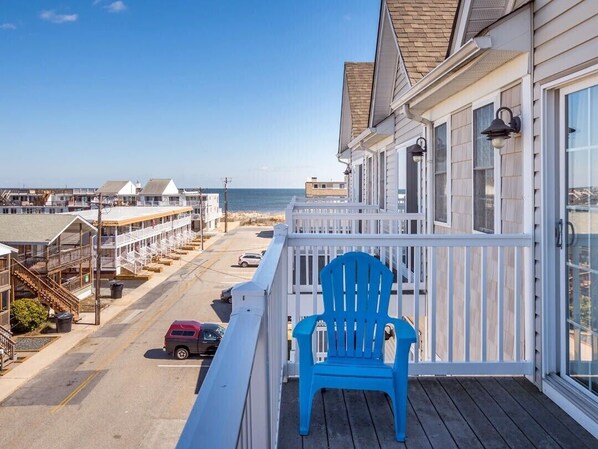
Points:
(423, 29)
(359, 76)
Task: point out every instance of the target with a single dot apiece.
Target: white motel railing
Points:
(469, 297)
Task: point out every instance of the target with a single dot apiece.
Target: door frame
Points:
(550, 312)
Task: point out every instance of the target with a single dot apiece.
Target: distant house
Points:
(5, 285)
(159, 192)
(119, 193)
(133, 237)
(325, 189)
(54, 260)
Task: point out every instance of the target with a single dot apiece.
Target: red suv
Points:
(192, 337)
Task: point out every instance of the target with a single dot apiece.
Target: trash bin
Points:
(116, 290)
(64, 322)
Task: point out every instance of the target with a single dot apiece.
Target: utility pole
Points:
(201, 216)
(98, 261)
(226, 181)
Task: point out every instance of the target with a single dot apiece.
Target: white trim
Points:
(552, 316)
(493, 98)
(449, 162)
(399, 149)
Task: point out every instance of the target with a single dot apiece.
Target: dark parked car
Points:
(226, 295)
(192, 337)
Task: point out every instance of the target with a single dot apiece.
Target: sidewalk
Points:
(34, 364)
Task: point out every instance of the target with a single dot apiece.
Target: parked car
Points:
(249, 259)
(226, 295)
(192, 337)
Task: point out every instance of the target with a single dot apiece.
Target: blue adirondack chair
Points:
(356, 290)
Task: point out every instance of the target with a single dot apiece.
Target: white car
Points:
(249, 260)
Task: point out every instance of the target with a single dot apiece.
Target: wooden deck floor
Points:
(442, 413)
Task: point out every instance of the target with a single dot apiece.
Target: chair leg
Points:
(305, 405)
(399, 404)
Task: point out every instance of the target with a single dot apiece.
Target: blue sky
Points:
(192, 90)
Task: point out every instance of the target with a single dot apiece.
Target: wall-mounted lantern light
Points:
(499, 131)
(347, 171)
(418, 149)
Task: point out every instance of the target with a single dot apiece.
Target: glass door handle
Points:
(558, 234)
(571, 230)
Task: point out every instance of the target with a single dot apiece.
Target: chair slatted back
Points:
(356, 292)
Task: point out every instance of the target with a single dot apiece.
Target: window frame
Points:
(382, 171)
(449, 191)
(493, 98)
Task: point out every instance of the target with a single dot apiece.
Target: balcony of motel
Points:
(470, 301)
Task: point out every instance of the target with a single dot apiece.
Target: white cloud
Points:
(51, 16)
(8, 26)
(117, 6)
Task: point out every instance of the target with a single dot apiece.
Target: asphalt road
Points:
(117, 388)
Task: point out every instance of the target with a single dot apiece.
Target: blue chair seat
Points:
(356, 293)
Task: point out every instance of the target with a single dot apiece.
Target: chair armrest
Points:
(306, 326)
(303, 332)
(405, 337)
(403, 330)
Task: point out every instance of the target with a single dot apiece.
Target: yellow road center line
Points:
(120, 349)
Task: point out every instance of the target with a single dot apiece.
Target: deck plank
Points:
(444, 412)
(360, 420)
(382, 420)
(288, 429)
(478, 422)
(528, 425)
(436, 431)
(553, 427)
(507, 429)
(337, 421)
(452, 419)
(556, 411)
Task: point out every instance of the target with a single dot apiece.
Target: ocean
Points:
(258, 200)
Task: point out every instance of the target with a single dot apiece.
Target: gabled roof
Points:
(157, 187)
(423, 30)
(5, 249)
(42, 229)
(359, 77)
(112, 187)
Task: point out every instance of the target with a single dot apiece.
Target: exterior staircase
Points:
(9, 347)
(48, 291)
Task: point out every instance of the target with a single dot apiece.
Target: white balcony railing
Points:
(472, 312)
(141, 234)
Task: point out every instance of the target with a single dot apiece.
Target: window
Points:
(315, 186)
(181, 333)
(381, 181)
(440, 174)
(5, 301)
(209, 336)
(483, 171)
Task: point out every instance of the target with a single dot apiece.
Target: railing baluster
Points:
(483, 313)
(467, 303)
(500, 304)
(449, 302)
(516, 305)
(432, 315)
(416, 289)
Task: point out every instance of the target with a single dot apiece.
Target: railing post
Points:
(250, 298)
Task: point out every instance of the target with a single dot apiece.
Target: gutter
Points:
(471, 49)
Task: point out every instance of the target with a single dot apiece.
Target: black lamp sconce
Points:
(418, 149)
(499, 131)
(347, 171)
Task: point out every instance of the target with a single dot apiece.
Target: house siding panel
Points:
(561, 48)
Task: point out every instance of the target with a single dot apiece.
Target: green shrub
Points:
(27, 315)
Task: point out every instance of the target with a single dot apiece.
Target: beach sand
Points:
(256, 218)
